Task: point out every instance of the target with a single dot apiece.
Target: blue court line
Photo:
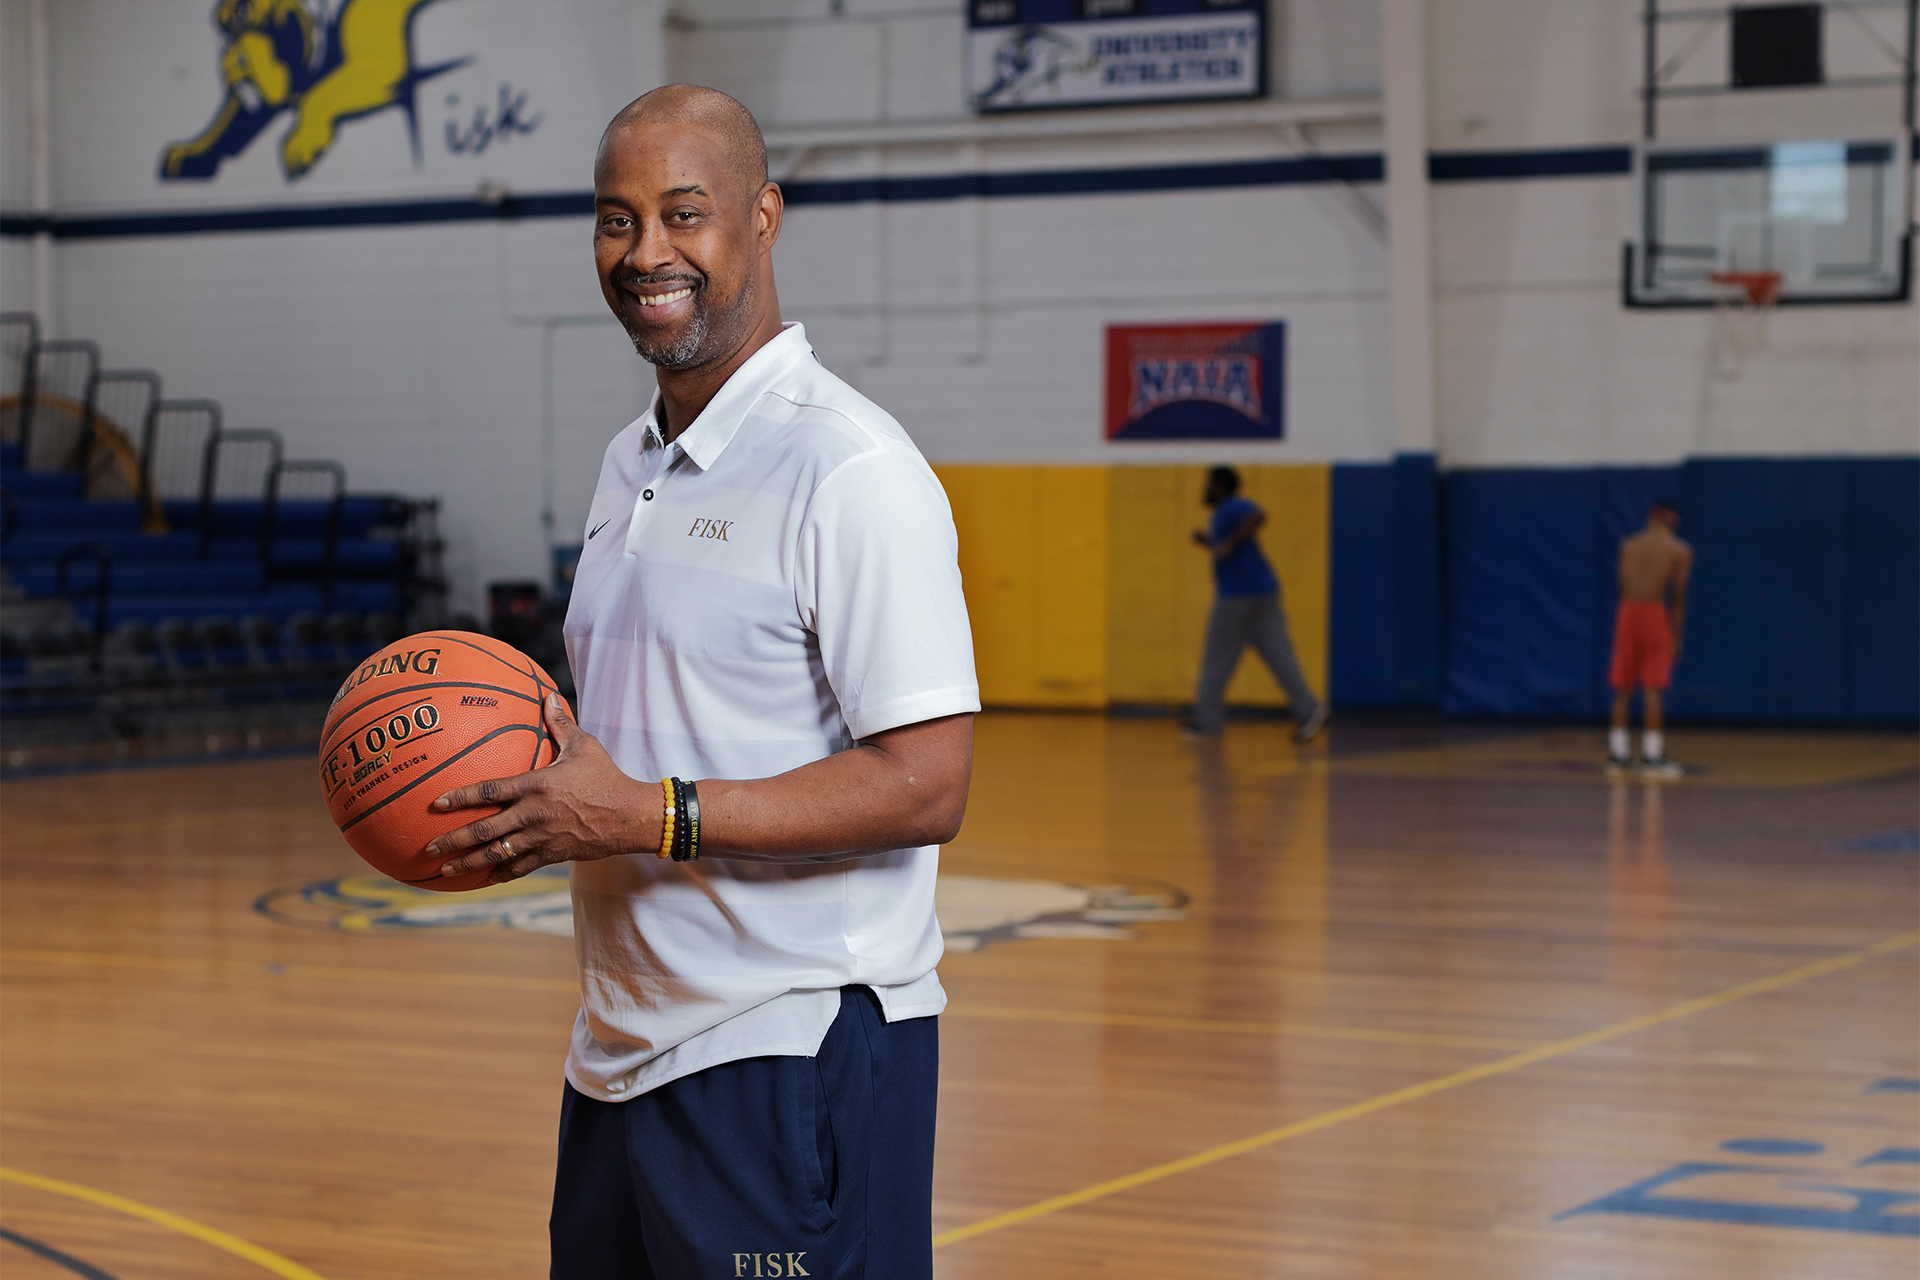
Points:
(1869, 1214)
(1445, 166)
(237, 756)
(54, 1256)
(1891, 840)
(1892, 1155)
(1894, 1084)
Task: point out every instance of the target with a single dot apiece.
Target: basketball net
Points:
(1743, 302)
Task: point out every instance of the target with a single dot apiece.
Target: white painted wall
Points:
(16, 161)
(1539, 364)
(415, 354)
(980, 325)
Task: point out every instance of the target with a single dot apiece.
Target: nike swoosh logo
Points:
(597, 528)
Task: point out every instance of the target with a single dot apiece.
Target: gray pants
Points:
(1236, 622)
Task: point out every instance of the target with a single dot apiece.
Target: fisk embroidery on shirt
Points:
(705, 528)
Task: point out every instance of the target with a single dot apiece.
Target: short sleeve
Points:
(878, 583)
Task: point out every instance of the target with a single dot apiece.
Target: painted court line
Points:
(266, 1259)
(1156, 1022)
(41, 1248)
(421, 977)
(264, 969)
(1427, 1088)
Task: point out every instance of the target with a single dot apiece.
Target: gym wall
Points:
(376, 310)
(965, 287)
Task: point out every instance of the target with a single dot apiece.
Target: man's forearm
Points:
(897, 790)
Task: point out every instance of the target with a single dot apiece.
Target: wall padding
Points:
(1804, 606)
(1086, 590)
(1033, 549)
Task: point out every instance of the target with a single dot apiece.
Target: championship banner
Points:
(1024, 55)
(1196, 381)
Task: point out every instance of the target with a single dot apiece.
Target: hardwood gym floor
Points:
(1421, 1002)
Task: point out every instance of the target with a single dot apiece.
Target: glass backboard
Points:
(1829, 216)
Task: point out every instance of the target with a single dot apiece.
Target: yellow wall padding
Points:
(1033, 548)
(1085, 588)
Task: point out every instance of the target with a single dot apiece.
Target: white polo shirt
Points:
(777, 583)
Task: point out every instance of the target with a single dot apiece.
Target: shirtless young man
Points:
(1654, 567)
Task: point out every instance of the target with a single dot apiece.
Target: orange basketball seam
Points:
(438, 684)
(453, 637)
(471, 747)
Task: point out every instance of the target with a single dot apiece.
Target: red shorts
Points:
(1642, 645)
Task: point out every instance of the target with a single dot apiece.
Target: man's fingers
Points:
(492, 791)
(508, 848)
(474, 834)
(560, 722)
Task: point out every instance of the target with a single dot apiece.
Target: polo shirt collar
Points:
(714, 429)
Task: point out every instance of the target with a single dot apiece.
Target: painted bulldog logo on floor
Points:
(974, 911)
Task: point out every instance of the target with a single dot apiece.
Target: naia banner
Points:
(1196, 381)
(1027, 54)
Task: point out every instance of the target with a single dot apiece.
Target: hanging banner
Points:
(1024, 55)
(1196, 381)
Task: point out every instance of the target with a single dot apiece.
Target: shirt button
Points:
(647, 494)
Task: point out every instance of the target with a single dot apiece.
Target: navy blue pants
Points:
(818, 1167)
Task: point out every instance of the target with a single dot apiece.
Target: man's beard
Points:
(705, 336)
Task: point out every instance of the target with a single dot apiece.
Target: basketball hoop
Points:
(1743, 301)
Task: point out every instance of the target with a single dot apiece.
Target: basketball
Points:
(435, 711)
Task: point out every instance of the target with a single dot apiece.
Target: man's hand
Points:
(1201, 540)
(579, 808)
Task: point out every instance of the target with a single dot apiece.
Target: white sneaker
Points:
(1309, 729)
(1662, 768)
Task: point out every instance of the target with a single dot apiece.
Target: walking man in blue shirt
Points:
(1246, 610)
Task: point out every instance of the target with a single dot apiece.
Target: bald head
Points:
(708, 110)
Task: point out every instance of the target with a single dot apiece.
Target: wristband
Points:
(667, 823)
(679, 850)
(693, 823)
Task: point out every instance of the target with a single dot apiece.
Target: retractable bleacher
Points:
(161, 571)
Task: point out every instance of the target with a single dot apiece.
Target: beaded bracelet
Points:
(680, 824)
(667, 823)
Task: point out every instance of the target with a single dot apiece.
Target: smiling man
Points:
(775, 734)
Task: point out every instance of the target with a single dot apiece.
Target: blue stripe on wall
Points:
(1462, 166)
(1805, 603)
(1580, 162)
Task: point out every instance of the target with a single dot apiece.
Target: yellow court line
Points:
(423, 977)
(1156, 1022)
(1425, 1089)
(267, 1259)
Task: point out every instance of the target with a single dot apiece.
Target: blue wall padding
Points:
(1384, 607)
(1811, 610)
(1362, 666)
(1805, 603)
(1883, 601)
